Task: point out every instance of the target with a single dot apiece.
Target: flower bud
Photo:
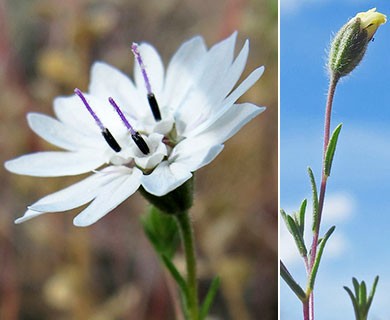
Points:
(350, 43)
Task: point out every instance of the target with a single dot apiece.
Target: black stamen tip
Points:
(140, 142)
(111, 140)
(154, 106)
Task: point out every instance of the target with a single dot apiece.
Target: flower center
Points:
(150, 95)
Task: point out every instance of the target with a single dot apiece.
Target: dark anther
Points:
(140, 142)
(111, 140)
(154, 106)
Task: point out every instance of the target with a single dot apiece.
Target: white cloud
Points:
(288, 251)
(338, 208)
(337, 245)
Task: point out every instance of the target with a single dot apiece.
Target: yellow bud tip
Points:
(371, 20)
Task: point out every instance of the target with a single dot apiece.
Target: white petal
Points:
(198, 151)
(55, 163)
(165, 178)
(164, 126)
(217, 62)
(107, 81)
(240, 90)
(181, 69)
(57, 133)
(158, 150)
(72, 112)
(229, 80)
(81, 192)
(232, 121)
(154, 69)
(29, 214)
(244, 86)
(195, 155)
(75, 195)
(212, 83)
(218, 59)
(110, 196)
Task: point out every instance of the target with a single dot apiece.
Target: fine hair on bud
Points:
(350, 43)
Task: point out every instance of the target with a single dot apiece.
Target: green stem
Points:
(187, 236)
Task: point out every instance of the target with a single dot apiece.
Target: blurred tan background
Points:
(50, 269)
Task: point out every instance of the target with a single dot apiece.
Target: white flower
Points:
(196, 97)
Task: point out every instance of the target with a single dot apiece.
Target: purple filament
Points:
(150, 95)
(105, 132)
(137, 138)
(122, 116)
(93, 114)
(134, 48)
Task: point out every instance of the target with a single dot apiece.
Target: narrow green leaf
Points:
(294, 286)
(183, 289)
(176, 276)
(284, 216)
(292, 227)
(204, 310)
(296, 220)
(299, 241)
(356, 286)
(317, 260)
(315, 199)
(302, 212)
(372, 293)
(362, 295)
(360, 302)
(330, 150)
(354, 303)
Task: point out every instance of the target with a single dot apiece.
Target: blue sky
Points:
(358, 201)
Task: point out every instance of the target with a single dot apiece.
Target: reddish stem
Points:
(306, 313)
(311, 306)
(328, 113)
